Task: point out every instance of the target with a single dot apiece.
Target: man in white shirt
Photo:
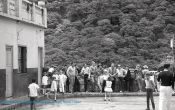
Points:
(71, 73)
(93, 76)
(33, 93)
(86, 72)
(121, 74)
(62, 81)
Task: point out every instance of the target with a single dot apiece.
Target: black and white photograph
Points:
(87, 54)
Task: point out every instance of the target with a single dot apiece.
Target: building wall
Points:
(16, 34)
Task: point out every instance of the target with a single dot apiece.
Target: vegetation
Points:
(128, 32)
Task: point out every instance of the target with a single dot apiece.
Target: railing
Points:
(39, 12)
(24, 10)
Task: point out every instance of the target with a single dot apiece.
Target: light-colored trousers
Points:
(165, 97)
(72, 82)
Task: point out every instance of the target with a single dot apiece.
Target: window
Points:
(22, 59)
(1, 6)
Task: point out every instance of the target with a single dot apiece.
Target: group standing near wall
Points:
(91, 78)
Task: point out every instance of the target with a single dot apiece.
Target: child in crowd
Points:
(54, 87)
(108, 89)
(56, 75)
(150, 86)
(44, 82)
(33, 93)
(62, 81)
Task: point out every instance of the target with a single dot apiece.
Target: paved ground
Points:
(97, 103)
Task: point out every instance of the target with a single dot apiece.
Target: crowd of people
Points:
(92, 78)
(108, 79)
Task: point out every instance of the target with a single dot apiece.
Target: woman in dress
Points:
(108, 89)
(54, 87)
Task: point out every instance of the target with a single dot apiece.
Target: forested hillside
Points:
(122, 31)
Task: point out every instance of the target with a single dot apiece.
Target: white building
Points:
(22, 25)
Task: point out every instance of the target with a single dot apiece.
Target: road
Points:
(97, 103)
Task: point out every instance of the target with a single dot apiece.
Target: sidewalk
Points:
(23, 101)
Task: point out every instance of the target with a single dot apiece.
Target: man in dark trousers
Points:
(132, 80)
(127, 79)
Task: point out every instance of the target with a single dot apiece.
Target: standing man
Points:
(86, 72)
(139, 77)
(71, 73)
(121, 74)
(128, 80)
(132, 80)
(100, 77)
(33, 93)
(166, 80)
(113, 74)
(93, 75)
(144, 72)
(77, 83)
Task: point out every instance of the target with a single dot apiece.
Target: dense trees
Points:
(122, 31)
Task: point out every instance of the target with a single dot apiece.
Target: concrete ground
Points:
(98, 103)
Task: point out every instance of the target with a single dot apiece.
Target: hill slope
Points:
(122, 31)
